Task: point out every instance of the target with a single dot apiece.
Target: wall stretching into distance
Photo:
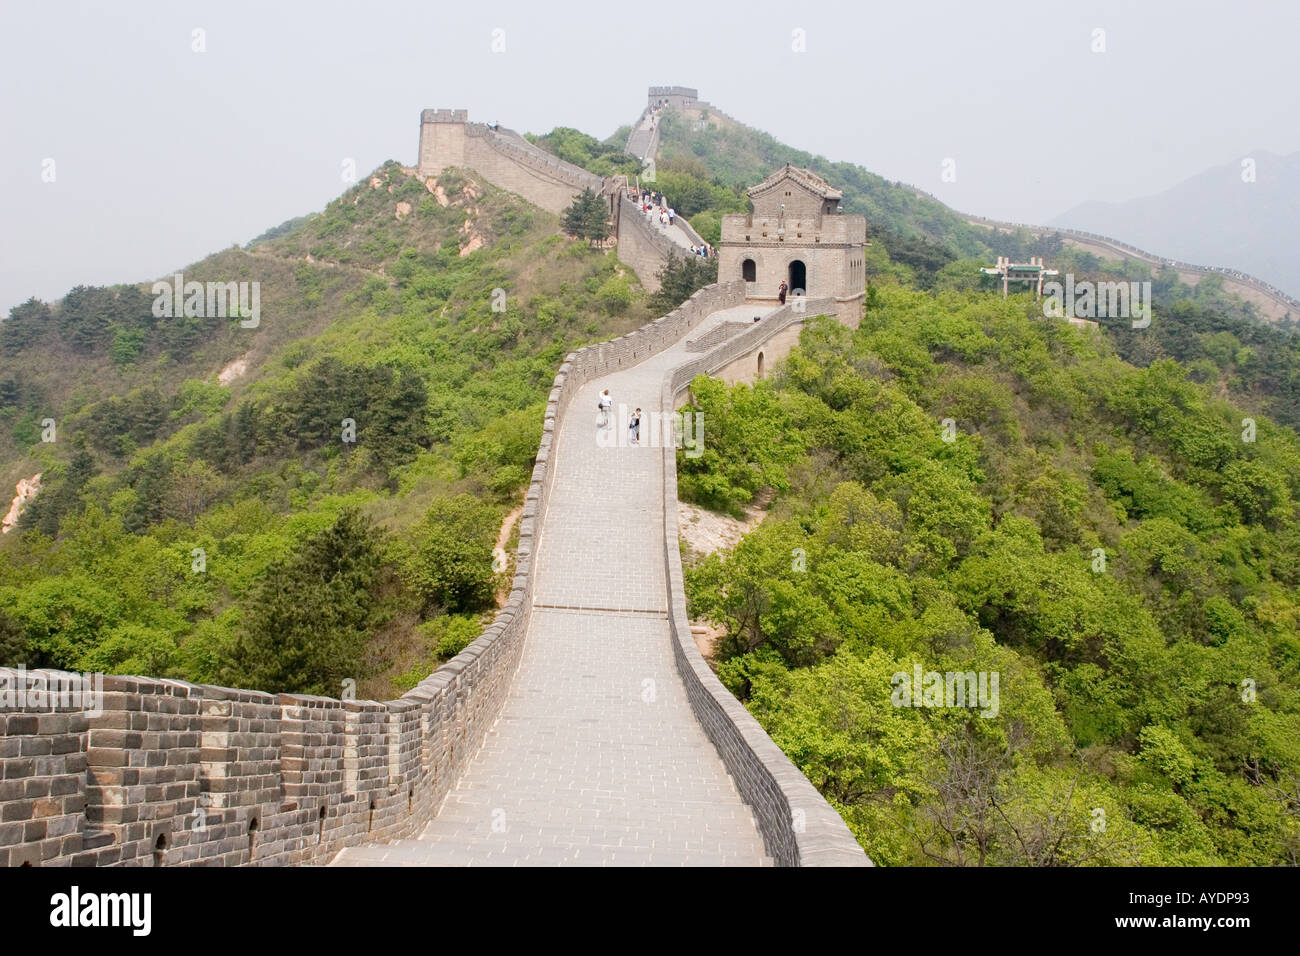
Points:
(502, 157)
(165, 772)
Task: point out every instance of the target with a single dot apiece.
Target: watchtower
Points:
(442, 140)
(797, 233)
(677, 97)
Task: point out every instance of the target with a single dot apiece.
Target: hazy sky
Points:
(162, 154)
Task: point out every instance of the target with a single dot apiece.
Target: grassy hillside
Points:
(1113, 542)
(231, 533)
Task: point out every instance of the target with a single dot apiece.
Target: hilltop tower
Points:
(797, 233)
(442, 140)
(676, 97)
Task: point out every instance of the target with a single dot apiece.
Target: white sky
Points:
(162, 155)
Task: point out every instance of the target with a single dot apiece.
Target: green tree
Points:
(679, 278)
(586, 217)
(452, 563)
(13, 642)
(747, 444)
(308, 622)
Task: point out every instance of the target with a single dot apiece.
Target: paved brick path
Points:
(596, 758)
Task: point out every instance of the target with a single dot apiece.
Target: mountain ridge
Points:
(1233, 215)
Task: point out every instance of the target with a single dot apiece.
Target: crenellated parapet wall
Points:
(156, 772)
(508, 161)
(799, 827)
(641, 246)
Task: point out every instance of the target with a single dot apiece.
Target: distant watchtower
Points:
(677, 97)
(797, 233)
(442, 140)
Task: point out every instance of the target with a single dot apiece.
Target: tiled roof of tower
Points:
(805, 177)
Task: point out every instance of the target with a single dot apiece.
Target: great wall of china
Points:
(162, 772)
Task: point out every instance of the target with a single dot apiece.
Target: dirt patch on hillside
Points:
(235, 369)
(499, 550)
(24, 492)
(706, 531)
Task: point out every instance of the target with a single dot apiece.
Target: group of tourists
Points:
(656, 209)
(658, 212)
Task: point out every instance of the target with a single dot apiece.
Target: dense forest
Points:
(332, 513)
(967, 487)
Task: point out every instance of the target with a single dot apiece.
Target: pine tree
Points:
(679, 278)
(13, 643)
(308, 624)
(574, 216)
(595, 219)
(587, 218)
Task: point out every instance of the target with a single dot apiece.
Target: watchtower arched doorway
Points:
(798, 277)
(749, 271)
(760, 364)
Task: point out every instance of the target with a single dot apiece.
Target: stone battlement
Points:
(839, 229)
(444, 116)
(676, 96)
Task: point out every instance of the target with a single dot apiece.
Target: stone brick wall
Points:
(799, 827)
(641, 246)
(502, 157)
(685, 226)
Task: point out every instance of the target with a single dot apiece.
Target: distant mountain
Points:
(1214, 218)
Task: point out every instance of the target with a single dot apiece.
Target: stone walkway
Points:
(596, 758)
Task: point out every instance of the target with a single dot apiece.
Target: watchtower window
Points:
(749, 271)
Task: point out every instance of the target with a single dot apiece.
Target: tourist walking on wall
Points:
(634, 427)
(603, 406)
(781, 291)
